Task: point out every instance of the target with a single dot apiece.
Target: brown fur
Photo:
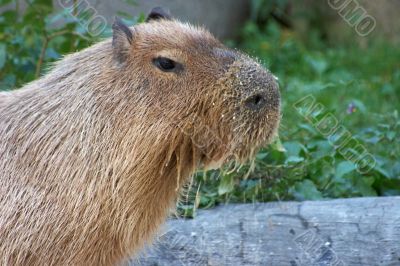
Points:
(92, 153)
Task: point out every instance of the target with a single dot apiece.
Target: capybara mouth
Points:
(251, 131)
(256, 137)
(251, 109)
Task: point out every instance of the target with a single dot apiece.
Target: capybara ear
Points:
(158, 13)
(122, 40)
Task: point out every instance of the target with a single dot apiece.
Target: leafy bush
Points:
(37, 33)
(28, 42)
(359, 87)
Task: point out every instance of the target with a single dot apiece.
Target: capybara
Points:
(94, 152)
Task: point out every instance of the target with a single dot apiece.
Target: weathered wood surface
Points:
(361, 231)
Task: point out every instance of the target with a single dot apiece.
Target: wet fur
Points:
(93, 154)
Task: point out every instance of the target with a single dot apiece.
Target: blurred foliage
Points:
(263, 11)
(35, 33)
(360, 87)
(28, 42)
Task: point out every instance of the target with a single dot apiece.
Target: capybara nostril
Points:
(255, 102)
(257, 88)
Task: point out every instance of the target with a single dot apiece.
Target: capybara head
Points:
(225, 101)
(94, 152)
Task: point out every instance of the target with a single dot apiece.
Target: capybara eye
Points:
(165, 64)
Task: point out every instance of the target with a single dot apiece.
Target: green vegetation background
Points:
(359, 86)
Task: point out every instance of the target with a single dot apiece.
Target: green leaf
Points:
(186, 211)
(359, 105)
(293, 148)
(391, 135)
(364, 185)
(294, 159)
(344, 168)
(8, 82)
(319, 65)
(310, 129)
(277, 145)
(320, 149)
(382, 171)
(226, 185)
(141, 18)
(306, 190)
(261, 155)
(3, 55)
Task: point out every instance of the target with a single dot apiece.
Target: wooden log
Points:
(359, 231)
